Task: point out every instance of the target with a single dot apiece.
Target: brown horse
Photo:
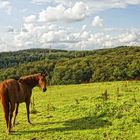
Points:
(13, 92)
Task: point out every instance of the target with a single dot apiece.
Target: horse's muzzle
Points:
(44, 89)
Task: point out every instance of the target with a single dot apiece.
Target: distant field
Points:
(98, 111)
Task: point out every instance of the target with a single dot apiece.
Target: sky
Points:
(69, 24)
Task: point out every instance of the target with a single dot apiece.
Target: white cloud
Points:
(6, 41)
(53, 36)
(3, 45)
(10, 29)
(100, 5)
(61, 13)
(128, 37)
(29, 27)
(133, 2)
(97, 22)
(52, 14)
(60, 38)
(84, 35)
(29, 19)
(77, 12)
(105, 40)
(6, 6)
(93, 5)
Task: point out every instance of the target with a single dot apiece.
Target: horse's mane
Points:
(29, 76)
(30, 79)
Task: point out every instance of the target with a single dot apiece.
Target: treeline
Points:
(73, 67)
(10, 59)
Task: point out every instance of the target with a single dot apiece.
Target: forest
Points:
(73, 67)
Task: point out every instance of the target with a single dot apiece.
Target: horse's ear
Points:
(42, 74)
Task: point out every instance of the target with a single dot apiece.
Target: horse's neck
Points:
(30, 81)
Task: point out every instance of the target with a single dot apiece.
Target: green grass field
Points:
(98, 111)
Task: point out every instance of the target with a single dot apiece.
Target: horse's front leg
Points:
(16, 112)
(28, 111)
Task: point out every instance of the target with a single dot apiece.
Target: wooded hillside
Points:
(73, 67)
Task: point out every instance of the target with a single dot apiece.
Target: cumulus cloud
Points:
(29, 27)
(29, 19)
(54, 36)
(6, 6)
(52, 14)
(60, 38)
(26, 40)
(97, 22)
(128, 37)
(93, 5)
(60, 12)
(6, 41)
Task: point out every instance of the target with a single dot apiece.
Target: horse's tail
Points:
(5, 103)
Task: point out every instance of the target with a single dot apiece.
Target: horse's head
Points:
(42, 82)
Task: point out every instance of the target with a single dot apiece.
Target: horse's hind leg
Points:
(5, 106)
(12, 107)
(16, 112)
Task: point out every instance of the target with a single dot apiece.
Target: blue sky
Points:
(68, 24)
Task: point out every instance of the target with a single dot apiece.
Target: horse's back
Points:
(10, 84)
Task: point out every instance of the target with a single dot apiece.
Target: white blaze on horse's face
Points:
(42, 82)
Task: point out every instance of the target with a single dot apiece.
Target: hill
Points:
(73, 67)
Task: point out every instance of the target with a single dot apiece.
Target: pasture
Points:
(97, 111)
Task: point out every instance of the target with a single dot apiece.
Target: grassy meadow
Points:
(97, 111)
